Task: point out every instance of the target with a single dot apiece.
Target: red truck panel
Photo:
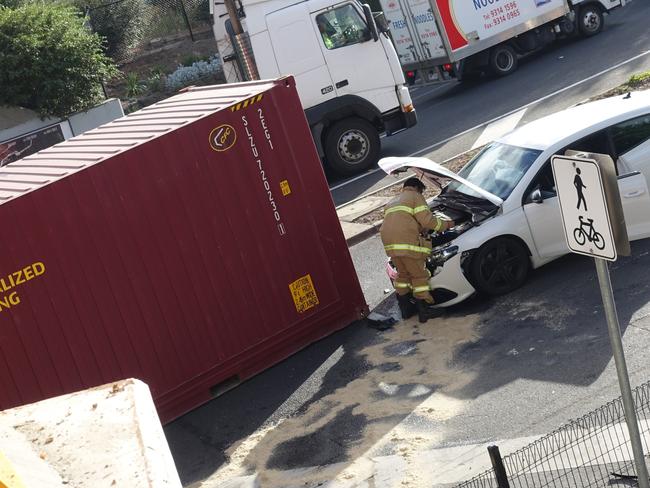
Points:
(190, 243)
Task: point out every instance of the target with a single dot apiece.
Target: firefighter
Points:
(406, 218)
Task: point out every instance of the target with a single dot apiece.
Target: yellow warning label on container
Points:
(303, 293)
(284, 186)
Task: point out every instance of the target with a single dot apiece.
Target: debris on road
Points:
(380, 322)
(396, 406)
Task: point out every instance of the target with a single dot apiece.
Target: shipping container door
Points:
(297, 51)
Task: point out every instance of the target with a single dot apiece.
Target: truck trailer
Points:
(347, 71)
(439, 40)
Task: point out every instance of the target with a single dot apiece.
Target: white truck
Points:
(437, 40)
(347, 71)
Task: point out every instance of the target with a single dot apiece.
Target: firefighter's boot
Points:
(406, 306)
(427, 311)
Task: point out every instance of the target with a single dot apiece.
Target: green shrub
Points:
(156, 82)
(134, 86)
(50, 62)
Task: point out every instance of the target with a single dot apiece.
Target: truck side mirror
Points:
(371, 22)
(382, 22)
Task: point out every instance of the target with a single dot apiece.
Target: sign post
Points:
(594, 225)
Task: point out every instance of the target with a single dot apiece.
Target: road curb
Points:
(370, 231)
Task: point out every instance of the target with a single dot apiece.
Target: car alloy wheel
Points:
(499, 266)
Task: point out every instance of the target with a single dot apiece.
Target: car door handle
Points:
(634, 193)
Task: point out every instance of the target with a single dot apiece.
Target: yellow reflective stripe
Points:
(399, 208)
(419, 289)
(398, 284)
(439, 226)
(419, 209)
(406, 247)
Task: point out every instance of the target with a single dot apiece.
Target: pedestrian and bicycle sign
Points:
(592, 215)
(584, 206)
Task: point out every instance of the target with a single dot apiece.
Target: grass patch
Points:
(637, 82)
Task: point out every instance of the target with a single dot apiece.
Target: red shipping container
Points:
(189, 244)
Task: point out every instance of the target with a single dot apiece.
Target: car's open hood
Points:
(427, 170)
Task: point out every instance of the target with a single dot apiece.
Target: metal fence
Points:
(160, 47)
(592, 451)
(131, 26)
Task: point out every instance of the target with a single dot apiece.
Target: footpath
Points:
(356, 232)
(591, 457)
(437, 468)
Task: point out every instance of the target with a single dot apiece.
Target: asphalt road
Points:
(492, 369)
(452, 117)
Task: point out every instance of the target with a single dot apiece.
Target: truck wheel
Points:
(503, 60)
(351, 145)
(590, 20)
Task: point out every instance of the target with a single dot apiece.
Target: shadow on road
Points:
(362, 393)
(553, 329)
(199, 440)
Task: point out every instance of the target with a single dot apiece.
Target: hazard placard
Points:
(303, 294)
(286, 189)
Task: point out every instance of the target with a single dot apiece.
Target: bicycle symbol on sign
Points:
(586, 232)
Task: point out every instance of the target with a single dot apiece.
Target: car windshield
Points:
(496, 169)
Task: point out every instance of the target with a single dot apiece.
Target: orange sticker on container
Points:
(303, 294)
(284, 186)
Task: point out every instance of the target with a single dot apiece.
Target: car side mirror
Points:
(536, 196)
(382, 22)
(371, 22)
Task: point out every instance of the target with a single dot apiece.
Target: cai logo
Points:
(223, 137)
(392, 5)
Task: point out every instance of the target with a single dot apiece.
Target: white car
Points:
(504, 200)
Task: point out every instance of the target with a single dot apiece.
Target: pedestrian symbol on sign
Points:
(577, 182)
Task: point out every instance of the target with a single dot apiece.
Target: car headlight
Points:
(445, 254)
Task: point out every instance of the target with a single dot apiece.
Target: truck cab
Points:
(347, 72)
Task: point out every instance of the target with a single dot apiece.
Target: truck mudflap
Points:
(396, 121)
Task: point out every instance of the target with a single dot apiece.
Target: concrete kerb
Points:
(356, 233)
